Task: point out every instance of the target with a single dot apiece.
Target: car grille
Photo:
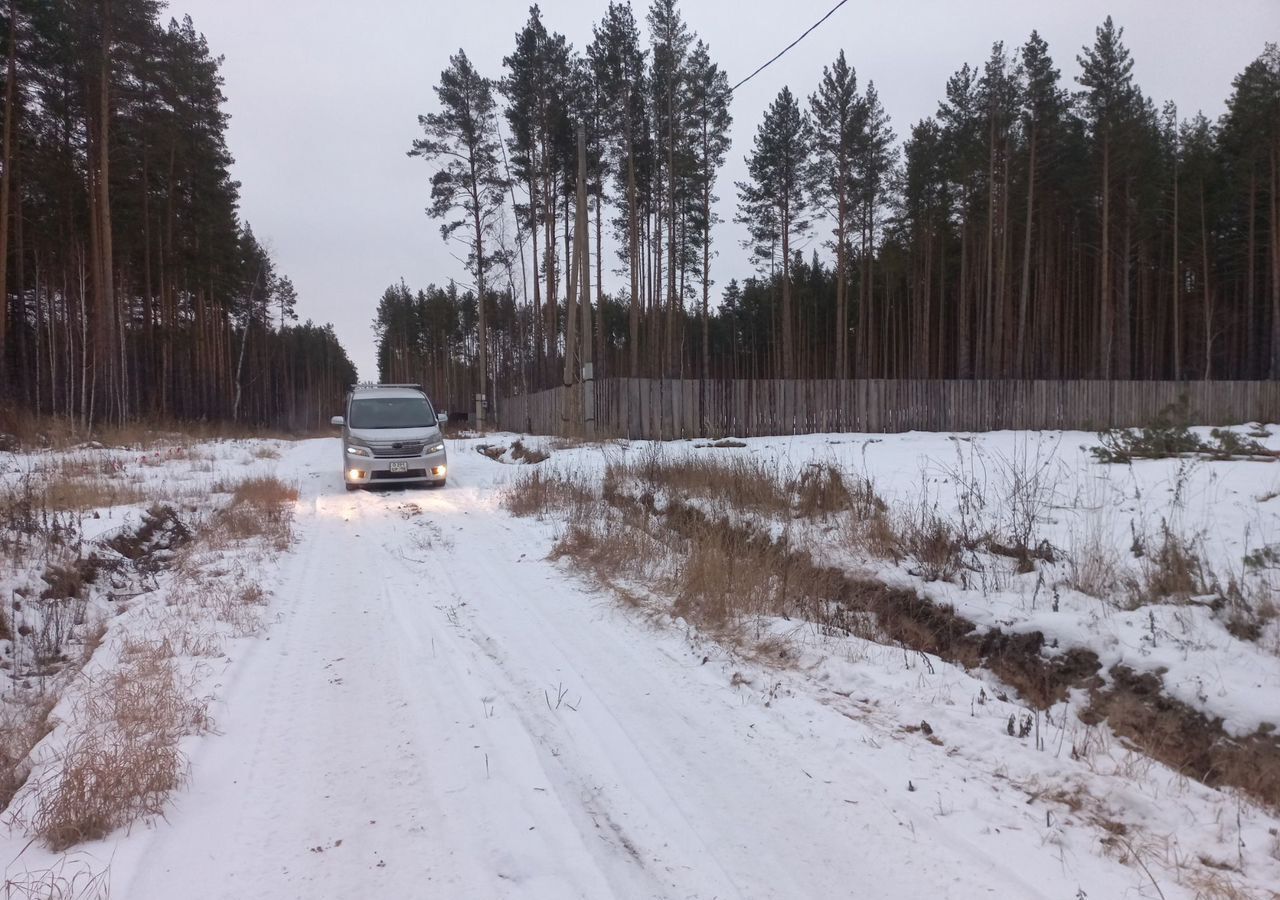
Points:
(392, 476)
(396, 449)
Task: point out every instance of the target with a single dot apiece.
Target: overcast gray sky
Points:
(324, 98)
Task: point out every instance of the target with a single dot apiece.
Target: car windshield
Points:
(391, 412)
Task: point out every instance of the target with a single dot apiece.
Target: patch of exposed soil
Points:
(519, 453)
(151, 546)
(1137, 708)
(1134, 705)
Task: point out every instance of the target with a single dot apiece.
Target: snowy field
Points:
(399, 694)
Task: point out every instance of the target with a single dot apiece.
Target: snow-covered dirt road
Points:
(440, 712)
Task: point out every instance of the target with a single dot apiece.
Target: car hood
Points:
(381, 435)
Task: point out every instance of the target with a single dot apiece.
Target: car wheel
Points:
(352, 487)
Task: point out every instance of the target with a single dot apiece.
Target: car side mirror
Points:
(441, 418)
(337, 421)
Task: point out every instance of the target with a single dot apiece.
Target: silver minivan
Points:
(391, 434)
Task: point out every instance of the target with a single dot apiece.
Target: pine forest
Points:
(131, 287)
(1033, 227)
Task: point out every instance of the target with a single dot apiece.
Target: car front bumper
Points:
(430, 468)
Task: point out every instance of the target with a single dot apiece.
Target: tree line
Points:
(130, 287)
(1031, 228)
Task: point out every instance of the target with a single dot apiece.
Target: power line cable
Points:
(829, 14)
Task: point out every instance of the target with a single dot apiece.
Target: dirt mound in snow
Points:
(1137, 708)
(151, 546)
(517, 453)
(1134, 705)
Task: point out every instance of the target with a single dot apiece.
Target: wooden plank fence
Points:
(667, 409)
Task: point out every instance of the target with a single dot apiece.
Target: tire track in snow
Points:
(352, 759)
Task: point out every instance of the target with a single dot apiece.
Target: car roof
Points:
(386, 392)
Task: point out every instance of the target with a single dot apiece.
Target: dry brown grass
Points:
(1216, 885)
(931, 542)
(81, 465)
(875, 536)
(820, 491)
(1172, 570)
(233, 602)
(715, 572)
(730, 573)
(123, 760)
(677, 533)
(68, 880)
(119, 755)
(51, 432)
(260, 507)
(87, 493)
(264, 491)
(743, 483)
(546, 491)
(1093, 564)
(23, 723)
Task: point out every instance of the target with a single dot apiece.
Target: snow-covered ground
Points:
(434, 709)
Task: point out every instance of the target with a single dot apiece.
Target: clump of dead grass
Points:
(1093, 564)
(88, 492)
(546, 491)
(261, 507)
(123, 760)
(1173, 569)
(69, 879)
(23, 723)
(743, 483)
(728, 573)
(653, 523)
(820, 490)
(118, 757)
(31, 430)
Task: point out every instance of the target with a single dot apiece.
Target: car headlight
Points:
(436, 448)
(359, 451)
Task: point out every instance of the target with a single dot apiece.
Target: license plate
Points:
(396, 467)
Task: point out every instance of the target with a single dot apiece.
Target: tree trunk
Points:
(669, 355)
(6, 177)
(1177, 284)
(1024, 294)
(584, 285)
(1105, 339)
(788, 351)
(964, 356)
(1275, 261)
(1208, 292)
(482, 333)
(633, 231)
(106, 274)
(842, 288)
(1124, 311)
(1252, 310)
(539, 343)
